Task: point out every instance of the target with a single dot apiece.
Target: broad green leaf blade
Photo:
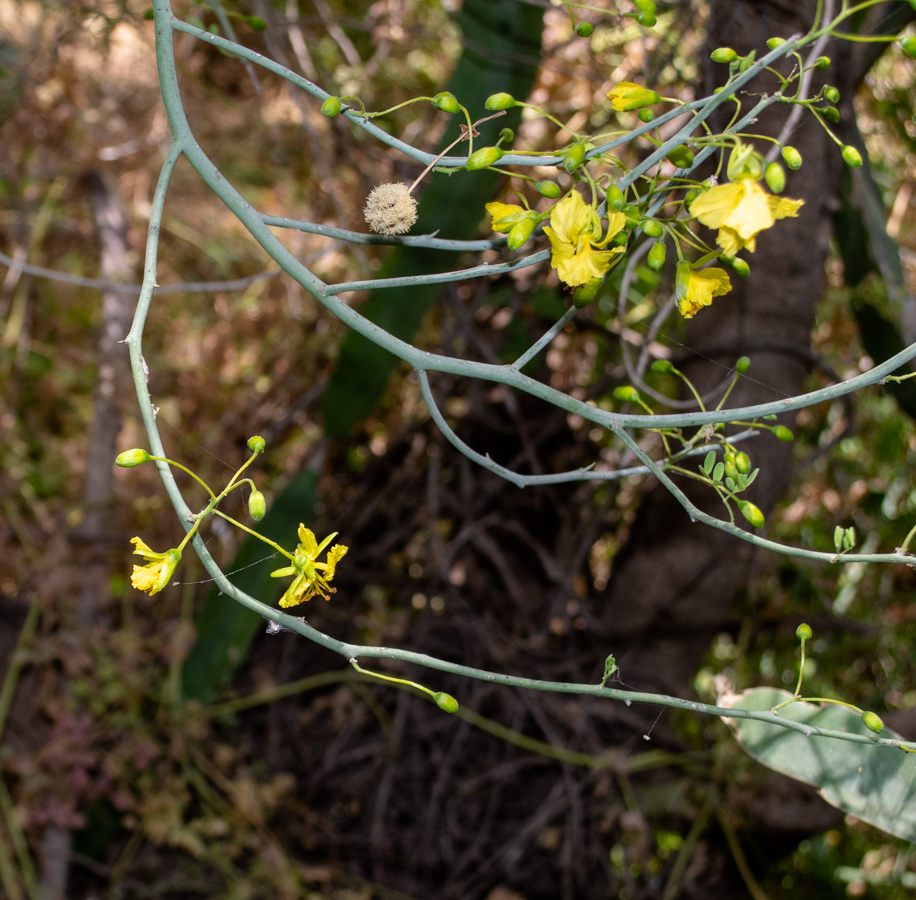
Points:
(876, 784)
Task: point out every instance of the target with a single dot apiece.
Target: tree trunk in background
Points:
(686, 576)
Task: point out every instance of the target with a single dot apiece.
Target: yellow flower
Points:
(575, 235)
(695, 289)
(309, 580)
(741, 210)
(627, 96)
(505, 215)
(155, 575)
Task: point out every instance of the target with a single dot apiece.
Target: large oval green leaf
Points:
(876, 784)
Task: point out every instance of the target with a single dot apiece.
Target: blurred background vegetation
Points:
(166, 746)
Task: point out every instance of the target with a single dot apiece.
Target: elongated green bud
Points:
(803, 632)
(447, 102)
(651, 228)
(585, 29)
(830, 114)
(908, 45)
(723, 55)
(574, 156)
(331, 107)
(852, 157)
(656, 257)
(502, 100)
(831, 94)
(615, 198)
(256, 22)
(587, 293)
(792, 157)
(737, 265)
(662, 366)
(446, 702)
(483, 158)
(130, 458)
(646, 115)
(681, 156)
(256, 444)
(781, 433)
(743, 463)
(743, 365)
(873, 722)
(257, 505)
(775, 177)
(548, 189)
(520, 232)
(822, 62)
(773, 43)
(751, 513)
(626, 393)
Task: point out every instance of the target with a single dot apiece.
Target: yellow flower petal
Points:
(575, 238)
(335, 554)
(155, 575)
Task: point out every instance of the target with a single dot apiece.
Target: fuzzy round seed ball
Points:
(390, 209)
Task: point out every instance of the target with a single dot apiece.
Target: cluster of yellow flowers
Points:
(580, 237)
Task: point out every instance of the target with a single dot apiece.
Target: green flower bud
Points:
(743, 365)
(738, 266)
(781, 433)
(483, 158)
(506, 136)
(257, 505)
(873, 722)
(331, 107)
(626, 393)
(803, 632)
(256, 444)
(632, 212)
(731, 470)
(908, 45)
(690, 196)
(831, 94)
(647, 19)
(656, 257)
(830, 114)
(852, 157)
(446, 702)
(574, 156)
(773, 43)
(651, 228)
(520, 232)
(723, 55)
(743, 463)
(681, 156)
(585, 29)
(615, 198)
(587, 293)
(502, 100)
(662, 366)
(130, 458)
(822, 62)
(647, 6)
(646, 115)
(775, 177)
(149, 15)
(255, 22)
(447, 102)
(751, 513)
(792, 157)
(548, 189)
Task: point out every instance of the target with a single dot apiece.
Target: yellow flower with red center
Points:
(311, 577)
(155, 575)
(575, 233)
